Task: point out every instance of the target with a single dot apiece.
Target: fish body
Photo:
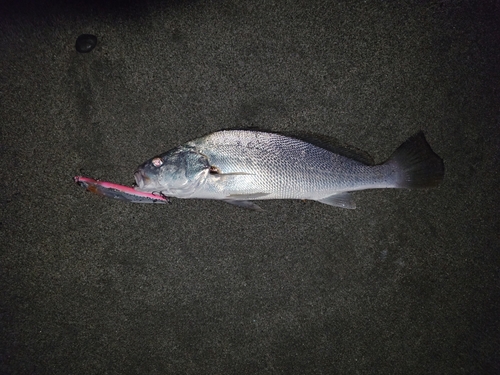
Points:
(239, 166)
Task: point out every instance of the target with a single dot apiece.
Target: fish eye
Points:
(157, 162)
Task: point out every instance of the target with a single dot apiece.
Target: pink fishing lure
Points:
(120, 192)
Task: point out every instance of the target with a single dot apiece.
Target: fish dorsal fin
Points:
(329, 143)
(332, 144)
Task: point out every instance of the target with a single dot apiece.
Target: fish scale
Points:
(284, 167)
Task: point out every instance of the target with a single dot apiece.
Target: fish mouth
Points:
(140, 179)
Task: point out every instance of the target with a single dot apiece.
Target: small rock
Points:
(85, 43)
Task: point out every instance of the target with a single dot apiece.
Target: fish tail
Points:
(416, 165)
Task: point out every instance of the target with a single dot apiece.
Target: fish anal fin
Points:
(249, 205)
(342, 200)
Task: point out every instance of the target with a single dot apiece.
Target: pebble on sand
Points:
(85, 43)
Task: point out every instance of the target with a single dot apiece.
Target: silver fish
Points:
(239, 166)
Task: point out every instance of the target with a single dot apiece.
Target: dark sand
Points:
(408, 283)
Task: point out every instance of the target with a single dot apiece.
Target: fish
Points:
(242, 166)
(116, 191)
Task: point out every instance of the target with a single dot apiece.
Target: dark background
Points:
(406, 283)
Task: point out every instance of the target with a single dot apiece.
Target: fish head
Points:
(176, 173)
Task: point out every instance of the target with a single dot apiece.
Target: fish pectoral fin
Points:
(216, 172)
(222, 174)
(229, 175)
(343, 200)
(246, 196)
(244, 204)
